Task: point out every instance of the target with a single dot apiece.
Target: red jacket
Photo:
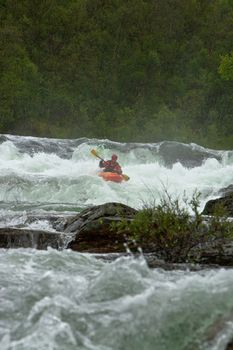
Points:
(109, 165)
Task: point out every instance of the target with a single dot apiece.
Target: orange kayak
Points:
(107, 176)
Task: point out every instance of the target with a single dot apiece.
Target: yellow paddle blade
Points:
(126, 177)
(94, 152)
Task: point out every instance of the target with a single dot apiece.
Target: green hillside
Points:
(128, 70)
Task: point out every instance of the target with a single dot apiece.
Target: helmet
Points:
(114, 157)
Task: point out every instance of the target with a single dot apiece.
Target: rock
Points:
(189, 155)
(22, 238)
(28, 144)
(93, 228)
(153, 262)
(227, 190)
(226, 202)
(3, 138)
(216, 253)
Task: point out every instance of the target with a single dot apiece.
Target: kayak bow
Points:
(107, 176)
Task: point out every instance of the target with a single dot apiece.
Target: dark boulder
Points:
(187, 154)
(225, 202)
(226, 190)
(93, 228)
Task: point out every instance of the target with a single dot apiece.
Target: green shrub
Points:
(170, 230)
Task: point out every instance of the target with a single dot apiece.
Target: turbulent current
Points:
(67, 301)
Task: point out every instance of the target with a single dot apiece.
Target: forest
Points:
(126, 70)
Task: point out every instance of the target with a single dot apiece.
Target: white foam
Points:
(43, 177)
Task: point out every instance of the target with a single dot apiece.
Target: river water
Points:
(65, 300)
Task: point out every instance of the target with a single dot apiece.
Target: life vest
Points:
(109, 166)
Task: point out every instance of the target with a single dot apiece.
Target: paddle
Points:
(94, 152)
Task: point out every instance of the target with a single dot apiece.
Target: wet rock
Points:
(22, 238)
(27, 144)
(154, 262)
(226, 191)
(186, 154)
(226, 202)
(216, 253)
(94, 231)
(3, 138)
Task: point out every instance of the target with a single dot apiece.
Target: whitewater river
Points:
(67, 301)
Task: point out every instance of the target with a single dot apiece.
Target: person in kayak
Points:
(111, 165)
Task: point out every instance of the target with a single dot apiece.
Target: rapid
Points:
(66, 300)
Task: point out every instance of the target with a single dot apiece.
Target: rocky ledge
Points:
(23, 238)
(90, 231)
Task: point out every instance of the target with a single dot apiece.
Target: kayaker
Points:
(111, 165)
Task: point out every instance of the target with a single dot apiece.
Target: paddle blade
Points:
(94, 152)
(126, 177)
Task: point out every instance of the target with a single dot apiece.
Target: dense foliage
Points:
(136, 70)
(174, 232)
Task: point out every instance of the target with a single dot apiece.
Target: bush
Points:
(172, 232)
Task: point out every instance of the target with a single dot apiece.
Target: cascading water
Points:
(65, 300)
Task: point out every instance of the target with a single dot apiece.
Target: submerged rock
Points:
(154, 262)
